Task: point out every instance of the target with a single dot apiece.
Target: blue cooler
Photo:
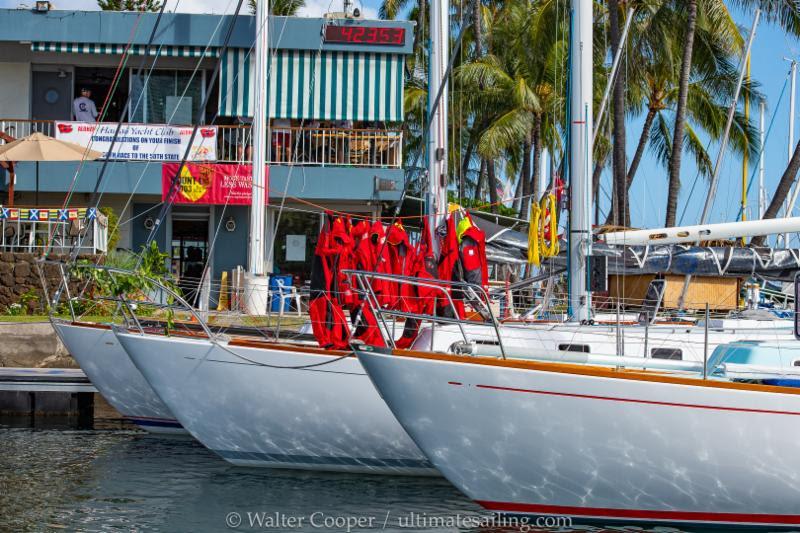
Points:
(274, 288)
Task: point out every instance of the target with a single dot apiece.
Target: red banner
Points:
(207, 184)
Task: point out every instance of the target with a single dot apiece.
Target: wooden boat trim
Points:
(256, 343)
(594, 370)
(251, 343)
(89, 325)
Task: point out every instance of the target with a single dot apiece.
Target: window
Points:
(674, 354)
(583, 348)
(167, 96)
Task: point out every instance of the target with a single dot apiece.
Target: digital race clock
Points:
(365, 35)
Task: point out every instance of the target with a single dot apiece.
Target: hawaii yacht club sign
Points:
(209, 184)
(142, 142)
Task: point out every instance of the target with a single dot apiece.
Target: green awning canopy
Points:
(136, 49)
(325, 85)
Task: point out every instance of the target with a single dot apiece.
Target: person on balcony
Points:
(282, 140)
(83, 107)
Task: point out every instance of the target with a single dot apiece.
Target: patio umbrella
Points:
(39, 147)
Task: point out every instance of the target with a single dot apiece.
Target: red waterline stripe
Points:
(454, 383)
(603, 512)
(630, 400)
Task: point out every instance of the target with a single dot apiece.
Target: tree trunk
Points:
(643, 138)
(619, 198)
(477, 195)
(524, 179)
(781, 192)
(518, 196)
(537, 157)
(680, 116)
(477, 29)
(492, 185)
(598, 171)
(462, 176)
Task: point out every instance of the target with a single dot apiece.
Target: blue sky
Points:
(648, 192)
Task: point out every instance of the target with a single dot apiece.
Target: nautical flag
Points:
(38, 214)
(91, 213)
(63, 214)
(4, 213)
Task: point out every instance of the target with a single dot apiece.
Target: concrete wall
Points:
(123, 177)
(15, 90)
(32, 345)
(139, 233)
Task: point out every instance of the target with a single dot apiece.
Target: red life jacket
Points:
(421, 300)
(328, 321)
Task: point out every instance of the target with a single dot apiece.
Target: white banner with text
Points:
(142, 142)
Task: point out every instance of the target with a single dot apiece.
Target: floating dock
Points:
(34, 392)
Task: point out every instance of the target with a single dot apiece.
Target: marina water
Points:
(120, 479)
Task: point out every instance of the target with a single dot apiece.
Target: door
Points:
(52, 95)
(189, 255)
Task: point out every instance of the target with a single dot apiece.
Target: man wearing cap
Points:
(83, 107)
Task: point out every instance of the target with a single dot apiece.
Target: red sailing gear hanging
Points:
(328, 321)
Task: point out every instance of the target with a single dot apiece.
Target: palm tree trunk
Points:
(643, 138)
(492, 185)
(478, 193)
(788, 178)
(477, 28)
(524, 179)
(465, 166)
(598, 171)
(537, 157)
(619, 164)
(680, 115)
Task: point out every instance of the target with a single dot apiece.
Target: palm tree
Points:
(281, 8)
(680, 114)
(512, 91)
(129, 5)
(619, 197)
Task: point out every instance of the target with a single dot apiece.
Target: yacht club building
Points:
(336, 104)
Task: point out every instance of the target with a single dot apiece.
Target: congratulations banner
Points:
(142, 142)
(207, 184)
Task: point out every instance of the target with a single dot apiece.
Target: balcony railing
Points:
(22, 128)
(31, 229)
(317, 146)
(380, 148)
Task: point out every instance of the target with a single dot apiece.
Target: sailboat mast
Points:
(436, 204)
(256, 284)
(581, 128)
(256, 250)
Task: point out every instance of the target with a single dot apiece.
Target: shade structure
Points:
(116, 49)
(317, 85)
(39, 147)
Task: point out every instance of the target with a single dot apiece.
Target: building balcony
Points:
(303, 146)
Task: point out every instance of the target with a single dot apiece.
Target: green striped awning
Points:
(136, 49)
(326, 85)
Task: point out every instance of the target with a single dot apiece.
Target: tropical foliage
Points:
(508, 100)
(129, 5)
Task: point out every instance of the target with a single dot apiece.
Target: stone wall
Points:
(19, 274)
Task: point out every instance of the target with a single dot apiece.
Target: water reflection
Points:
(120, 480)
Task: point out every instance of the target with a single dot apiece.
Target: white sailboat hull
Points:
(321, 418)
(110, 369)
(544, 439)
